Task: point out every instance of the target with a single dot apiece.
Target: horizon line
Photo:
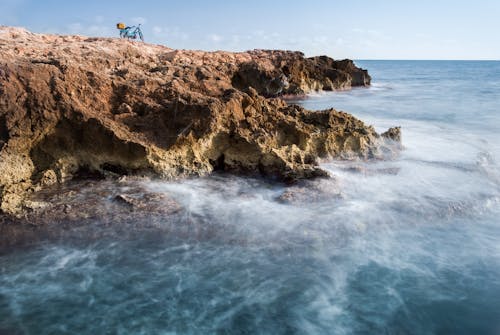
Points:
(426, 60)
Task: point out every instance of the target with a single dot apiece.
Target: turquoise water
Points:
(410, 246)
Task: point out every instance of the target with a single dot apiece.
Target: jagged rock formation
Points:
(70, 104)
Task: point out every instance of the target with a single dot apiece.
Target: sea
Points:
(403, 246)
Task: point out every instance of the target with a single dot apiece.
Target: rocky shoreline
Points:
(73, 105)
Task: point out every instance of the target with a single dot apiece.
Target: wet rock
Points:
(48, 178)
(35, 205)
(90, 209)
(294, 176)
(126, 199)
(150, 202)
(393, 133)
(308, 192)
(106, 201)
(13, 196)
(371, 171)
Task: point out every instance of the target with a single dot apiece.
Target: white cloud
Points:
(77, 28)
(171, 36)
(320, 39)
(170, 33)
(215, 38)
(157, 30)
(371, 34)
(98, 30)
(420, 35)
(99, 19)
(10, 10)
(138, 20)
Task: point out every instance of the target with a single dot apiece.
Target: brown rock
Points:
(275, 73)
(393, 133)
(70, 104)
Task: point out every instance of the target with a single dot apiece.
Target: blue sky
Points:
(358, 29)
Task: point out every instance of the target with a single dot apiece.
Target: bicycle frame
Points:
(132, 33)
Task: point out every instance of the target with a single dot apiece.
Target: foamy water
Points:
(408, 246)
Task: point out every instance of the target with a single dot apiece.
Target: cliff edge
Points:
(70, 104)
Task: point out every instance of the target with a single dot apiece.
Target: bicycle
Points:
(130, 33)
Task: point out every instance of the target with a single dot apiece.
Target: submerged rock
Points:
(102, 105)
(85, 208)
(307, 192)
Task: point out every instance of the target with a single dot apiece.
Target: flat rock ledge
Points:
(73, 105)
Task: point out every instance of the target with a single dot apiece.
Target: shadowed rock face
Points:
(71, 103)
(274, 73)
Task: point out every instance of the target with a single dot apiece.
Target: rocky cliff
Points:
(72, 104)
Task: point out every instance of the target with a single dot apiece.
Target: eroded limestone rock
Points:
(101, 105)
